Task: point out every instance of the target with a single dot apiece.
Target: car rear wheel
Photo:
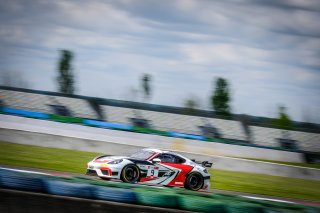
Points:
(194, 181)
(130, 173)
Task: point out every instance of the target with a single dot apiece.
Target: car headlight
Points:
(115, 161)
(205, 171)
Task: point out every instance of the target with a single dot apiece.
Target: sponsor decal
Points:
(102, 160)
(152, 171)
(169, 173)
(103, 165)
(182, 172)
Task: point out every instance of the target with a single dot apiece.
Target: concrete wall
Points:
(63, 142)
(145, 140)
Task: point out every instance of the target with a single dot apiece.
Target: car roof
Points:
(162, 151)
(153, 150)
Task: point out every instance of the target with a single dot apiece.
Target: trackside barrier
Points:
(109, 125)
(115, 194)
(272, 205)
(188, 136)
(21, 181)
(144, 195)
(108, 183)
(245, 207)
(24, 113)
(157, 198)
(65, 119)
(201, 204)
(69, 189)
(150, 131)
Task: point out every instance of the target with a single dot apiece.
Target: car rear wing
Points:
(203, 163)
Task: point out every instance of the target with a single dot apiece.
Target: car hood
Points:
(106, 159)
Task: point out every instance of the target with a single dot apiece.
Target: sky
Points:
(269, 51)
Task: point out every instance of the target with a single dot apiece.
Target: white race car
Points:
(153, 166)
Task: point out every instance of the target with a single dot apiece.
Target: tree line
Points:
(220, 98)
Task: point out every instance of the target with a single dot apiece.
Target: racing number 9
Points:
(152, 172)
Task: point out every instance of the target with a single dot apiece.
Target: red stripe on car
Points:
(181, 177)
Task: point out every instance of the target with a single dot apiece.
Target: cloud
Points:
(311, 5)
(268, 50)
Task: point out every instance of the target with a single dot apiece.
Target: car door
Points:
(176, 164)
(159, 173)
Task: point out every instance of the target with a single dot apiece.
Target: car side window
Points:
(180, 160)
(169, 158)
(166, 158)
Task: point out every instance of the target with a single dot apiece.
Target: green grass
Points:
(75, 162)
(307, 165)
(45, 158)
(265, 184)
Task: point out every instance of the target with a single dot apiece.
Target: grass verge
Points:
(265, 184)
(75, 162)
(307, 165)
(45, 158)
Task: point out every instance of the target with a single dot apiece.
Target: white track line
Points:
(24, 171)
(269, 199)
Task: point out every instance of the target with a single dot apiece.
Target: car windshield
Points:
(142, 155)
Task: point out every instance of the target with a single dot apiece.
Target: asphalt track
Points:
(247, 195)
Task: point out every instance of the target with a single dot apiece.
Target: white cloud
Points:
(269, 51)
(222, 53)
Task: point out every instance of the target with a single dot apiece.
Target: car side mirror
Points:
(156, 160)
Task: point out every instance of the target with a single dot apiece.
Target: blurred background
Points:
(233, 81)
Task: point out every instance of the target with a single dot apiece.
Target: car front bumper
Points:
(103, 170)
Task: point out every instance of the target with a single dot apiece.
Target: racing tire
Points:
(194, 181)
(130, 174)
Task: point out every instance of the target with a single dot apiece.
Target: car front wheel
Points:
(194, 181)
(130, 174)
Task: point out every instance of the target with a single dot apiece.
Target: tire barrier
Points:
(115, 194)
(201, 204)
(275, 207)
(69, 189)
(21, 181)
(244, 207)
(174, 198)
(156, 198)
(104, 183)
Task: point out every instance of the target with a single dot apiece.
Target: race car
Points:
(153, 166)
